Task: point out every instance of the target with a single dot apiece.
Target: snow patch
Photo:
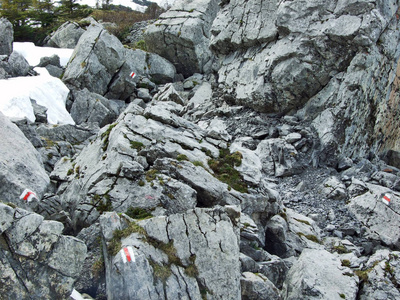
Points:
(48, 91)
(33, 53)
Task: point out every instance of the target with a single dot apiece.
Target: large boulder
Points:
(182, 34)
(20, 165)
(96, 58)
(318, 274)
(380, 219)
(197, 250)
(66, 36)
(36, 260)
(7, 37)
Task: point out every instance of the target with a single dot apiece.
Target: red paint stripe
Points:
(27, 195)
(132, 74)
(386, 198)
(128, 257)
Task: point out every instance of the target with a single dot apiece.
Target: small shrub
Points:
(151, 175)
(182, 157)
(98, 268)
(140, 45)
(138, 213)
(161, 272)
(70, 172)
(137, 145)
(340, 249)
(346, 263)
(198, 163)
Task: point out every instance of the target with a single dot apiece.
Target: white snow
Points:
(48, 91)
(33, 53)
(128, 3)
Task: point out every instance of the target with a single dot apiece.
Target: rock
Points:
(96, 58)
(17, 65)
(319, 274)
(55, 71)
(289, 233)
(7, 37)
(381, 276)
(66, 36)
(53, 60)
(92, 109)
(257, 286)
(174, 253)
(380, 219)
(181, 35)
(21, 166)
(144, 94)
(37, 260)
(72, 134)
(332, 188)
(169, 93)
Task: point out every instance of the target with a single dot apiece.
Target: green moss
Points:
(224, 170)
(141, 183)
(138, 213)
(198, 163)
(302, 221)
(103, 203)
(182, 157)
(161, 272)
(343, 296)
(388, 268)
(114, 245)
(12, 205)
(310, 237)
(140, 45)
(98, 268)
(363, 275)
(106, 136)
(137, 145)
(191, 270)
(340, 249)
(283, 215)
(345, 262)
(70, 172)
(151, 175)
(83, 64)
(206, 151)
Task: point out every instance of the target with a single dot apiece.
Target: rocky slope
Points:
(253, 156)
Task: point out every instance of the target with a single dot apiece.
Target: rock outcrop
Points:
(182, 35)
(66, 36)
(36, 260)
(21, 168)
(7, 37)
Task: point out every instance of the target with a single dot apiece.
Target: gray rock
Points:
(72, 134)
(181, 35)
(53, 60)
(66, 36)
(380, 219)
(257, 286)
(332, 188)
(91, 109)
(17, 65)
(21, 166)
(175, 254)
(144, 94)
(96, 58)
(383, 276)
(7, 37)
(37, 261)
(55, 71)
(319, 274)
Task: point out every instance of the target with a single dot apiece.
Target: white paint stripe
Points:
(23, 194)
(123, 256)
(130, 250)
(76, 295)
(30, 197)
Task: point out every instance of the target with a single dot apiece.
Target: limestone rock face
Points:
(382, 220)
(182, 34)
(36, 260)
(198, 249)
(7, 37)
(66, 36)
(20, 165)
(97, 56)
(318, 274)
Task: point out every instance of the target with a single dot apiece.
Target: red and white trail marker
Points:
(386, 198)
(27, 195)
(133, 74)
(127, 254)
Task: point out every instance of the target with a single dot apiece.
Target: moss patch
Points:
(151, 175)
(136, 145)
(138, 213)
(224, 170)
(106, 136)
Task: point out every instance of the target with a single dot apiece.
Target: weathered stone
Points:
(198, 249)
(319, 274)
(7, 37)
(96, 58)
(66, 36)
(17, 65)
(181, 35)
(380, 219)
(257, 286)
(332, 188)
(92, 109)
(37, 261)
(20, 164)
